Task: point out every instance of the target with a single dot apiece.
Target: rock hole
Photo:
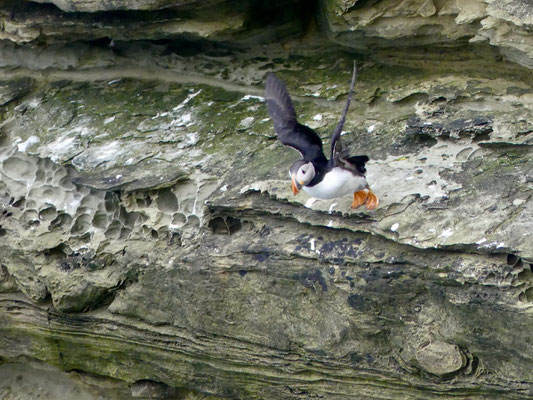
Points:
(143, 202)
(130, 219)
(463, 154)
(511, 259)
(59, 173)
(18, 169)
(40, 176)
(85, 238)
(167, 201)
(154, 234)
(114, 230)
(413, 98)
(66, 183)
(174, 239)
(193, 221)
(218, 226)
(481, 137)
(528, 295)
(438, 100)
(109, 202)
(179, 219)
(2, 231)
(100, 220)
(29, 216)
(47, 164)
(63, 220)
(247, 225)
(82, 224)
(48, 213)
(125, 233)
(163, 232)
(234, 224)
(225, 226)
(60, 251)
(44, 192)
(514, 261)
(19, 203)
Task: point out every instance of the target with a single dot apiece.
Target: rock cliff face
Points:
(150, 245)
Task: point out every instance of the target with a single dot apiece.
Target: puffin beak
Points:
(295, 186)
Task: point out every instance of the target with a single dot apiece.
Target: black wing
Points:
(358, 162)
(289, 131)
(337, 132)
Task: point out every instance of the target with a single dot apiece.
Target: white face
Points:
(305, 174)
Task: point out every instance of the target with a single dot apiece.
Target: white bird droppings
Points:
(312, 245)
(395, 227)
(309, 203)
(249, 96)
(446, 233)
(518, 202)
(22, 147)
(246, 123)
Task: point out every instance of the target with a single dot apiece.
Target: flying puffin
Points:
(319, 177)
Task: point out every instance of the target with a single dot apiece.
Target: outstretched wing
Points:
(337, 132)
(289, 131)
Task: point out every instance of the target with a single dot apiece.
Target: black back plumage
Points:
(358, 162)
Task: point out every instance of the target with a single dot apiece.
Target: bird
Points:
(319, 177)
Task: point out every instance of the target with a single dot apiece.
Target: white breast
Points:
(336, 183)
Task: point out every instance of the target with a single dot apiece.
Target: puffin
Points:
(319, 177)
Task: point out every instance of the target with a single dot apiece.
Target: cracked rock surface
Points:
(150, 244)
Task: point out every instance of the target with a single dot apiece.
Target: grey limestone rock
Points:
(371, 25)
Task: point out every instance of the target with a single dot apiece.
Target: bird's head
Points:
(302, 172)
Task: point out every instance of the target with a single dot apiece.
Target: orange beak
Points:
(295, 189)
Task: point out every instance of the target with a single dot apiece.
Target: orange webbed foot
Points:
(359, 198)
(372, 200)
